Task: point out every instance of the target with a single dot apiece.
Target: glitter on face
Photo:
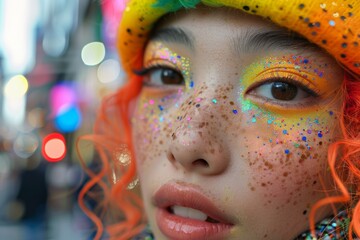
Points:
(191, 84)
(214, 101)
(159, 54)
(298, 68)
(332, 23)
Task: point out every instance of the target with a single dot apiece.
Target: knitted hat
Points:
(333, 25)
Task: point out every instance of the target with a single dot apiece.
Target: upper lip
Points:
(188, 195)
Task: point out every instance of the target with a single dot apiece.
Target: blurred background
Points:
(57, 60)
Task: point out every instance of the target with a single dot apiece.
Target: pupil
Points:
(284, 91)
(169, 76)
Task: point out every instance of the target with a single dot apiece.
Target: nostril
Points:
(201, 163)
(171, 157)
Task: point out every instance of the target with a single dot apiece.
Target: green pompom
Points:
(175, 5)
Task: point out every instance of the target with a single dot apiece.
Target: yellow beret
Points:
(334, 25)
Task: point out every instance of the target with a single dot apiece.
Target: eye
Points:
(158, 76)
(284, 90)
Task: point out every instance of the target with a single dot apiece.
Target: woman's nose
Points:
(198, 143)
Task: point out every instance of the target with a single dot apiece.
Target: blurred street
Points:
(57, 61)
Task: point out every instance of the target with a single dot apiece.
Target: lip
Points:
(180, 228)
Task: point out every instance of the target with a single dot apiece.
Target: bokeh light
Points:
(68, 119)
(36, 117)
(25, 145)
(16, 87)
(62, 95)
(108, 71)
(93, 53)
(54, 147)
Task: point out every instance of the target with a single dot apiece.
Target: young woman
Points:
(240, 118)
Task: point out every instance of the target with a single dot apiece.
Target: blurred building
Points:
(57, 60)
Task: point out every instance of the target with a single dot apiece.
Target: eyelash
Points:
(285, 79)
(147, 70)
(278, 104)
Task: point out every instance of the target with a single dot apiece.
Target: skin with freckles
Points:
(260, 159)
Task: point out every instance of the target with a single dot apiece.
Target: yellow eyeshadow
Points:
(297, 68)
(157, 54)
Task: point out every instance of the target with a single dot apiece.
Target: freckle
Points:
(285, 174)
(263, 184)
(304, 212)
(268, 165)
(302, 158)
(161, 142)
(314, 182)
(212, 151)
(252, 188)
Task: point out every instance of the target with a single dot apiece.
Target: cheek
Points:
(151, 124)
(287, 158)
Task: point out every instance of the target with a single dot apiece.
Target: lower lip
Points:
(180, 228)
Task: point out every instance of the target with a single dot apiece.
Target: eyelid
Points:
(155, 64)
(287, 76)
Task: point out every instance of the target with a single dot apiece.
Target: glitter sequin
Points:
(332, 23)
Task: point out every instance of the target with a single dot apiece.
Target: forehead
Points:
(204, 15)
(226, 28)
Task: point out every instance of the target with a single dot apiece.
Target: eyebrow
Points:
(244, 42)
(174, 35)
(255, 40)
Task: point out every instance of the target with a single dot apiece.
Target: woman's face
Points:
(232, 127)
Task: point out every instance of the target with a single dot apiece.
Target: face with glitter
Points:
(232, 127)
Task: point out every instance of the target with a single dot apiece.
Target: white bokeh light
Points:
(108, 71)
(93, 53)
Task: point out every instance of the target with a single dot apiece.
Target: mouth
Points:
(190, 213)
(183, 212)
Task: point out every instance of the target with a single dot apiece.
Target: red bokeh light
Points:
(54, 147)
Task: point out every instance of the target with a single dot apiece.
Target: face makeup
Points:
(247, 135)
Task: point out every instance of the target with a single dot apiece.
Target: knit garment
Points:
(334, 25)
(328, 229)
